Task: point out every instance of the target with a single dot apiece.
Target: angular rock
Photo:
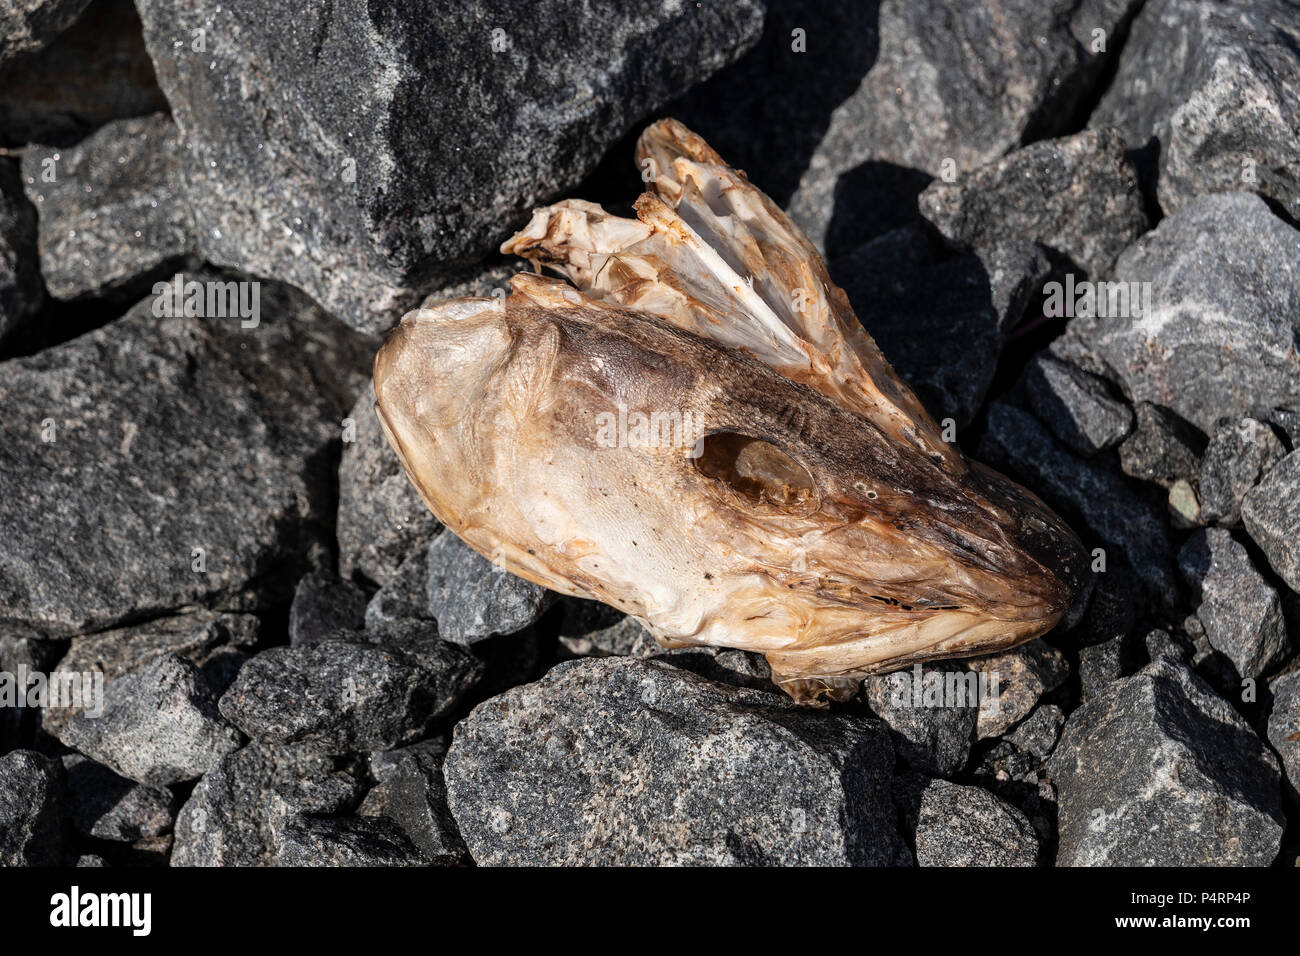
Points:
(93, 72)
(616, 744)
(197, 450)
(1016, 274)
(375, 210)
(592, 629)
(159, 725)
(404, 597)
(1159, 771)
(1284, 729)
(1023, 675)
(935, 737)
(924, 310)
(21, 293)
(967, 826)
(1240, 451)
(1160, 643)
(323, 604)
(349, 841)
(724, 665)
(1162, 448)
(410, 792)
(235, 814)
(1241, 613)
(1077, 196)
(1037, 734)
(884, 90)
(1220, 336)
(1121, 518)
(381, 520)
(1271, 513)
(31, 810)
(340, 697)
(113, 216)
(1104, 638)
(27, 26)
(1077, 406)
(109, 807)
(1215, 86)
(198, 635)
(473, 599)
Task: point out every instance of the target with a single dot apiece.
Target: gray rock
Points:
(1130, 524)
(381, 519)
(1022, 675)
(1160, 643)
(617, 744)
(27, 26)
(340, 697)
(1076, 406)
(1159, 771)
(934, 737)
(159, 725)
(1284, 728)
(967, 826)
(404, 597)
(198, 635)
(1214, 85)
(722, 664)
(1271, 513)
(93, 72)
(1240, 451)
(1241, 613)
(114, 217)
(236, 813)
(922, 308)
(21, 294)
(592, 629)
(886, 90)
(323, 604)
(410, 791)
(197, 450)
(1106, 651)
(472, 598)
(378, 212)
(31, 810)
(1162, 448)
(91, 860)
(349, 841)
(1220, 336)
(1037, 734)
(110, 807)
(1016, 274)
(1077, 196)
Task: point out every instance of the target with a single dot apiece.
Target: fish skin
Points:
(846, 539)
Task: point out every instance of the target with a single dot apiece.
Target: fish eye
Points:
(755, 469)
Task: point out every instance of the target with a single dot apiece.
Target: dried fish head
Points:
(699, 432)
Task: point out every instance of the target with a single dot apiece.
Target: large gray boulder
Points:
(624, 761)
(368, 153)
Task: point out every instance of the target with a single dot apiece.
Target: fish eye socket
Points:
(755, 469)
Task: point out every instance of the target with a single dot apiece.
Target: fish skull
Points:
(698, 431)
